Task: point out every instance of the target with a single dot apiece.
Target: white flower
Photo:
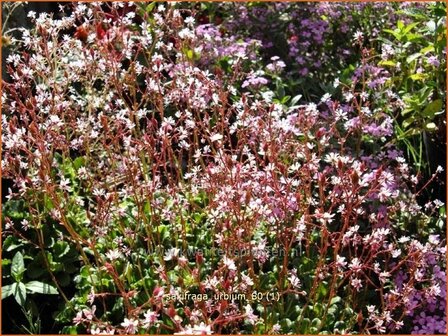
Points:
(189, 20)
(336, 83)
(396, 253)
(327, 217)
(404, 239)
(171, 254)
(384, 276)
(356, 283)
(25, 224)
(247, 280)
(340, 262)
(113, 255)
(434, 290)
(358, 36)
(326, 97)
(150, 318)
(371, 309)
(348, 96)
(250, 316)
(434, 239)
(355, 265)
(215, 137)
(276, 328)
(201, 329)
(294, 279)
(130, 325)
(229, 263)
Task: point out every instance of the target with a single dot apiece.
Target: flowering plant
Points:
(164, 182)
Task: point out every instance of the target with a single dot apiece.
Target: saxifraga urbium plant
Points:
(162, 186)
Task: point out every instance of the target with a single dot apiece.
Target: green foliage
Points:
(420, 84)
(19, 288)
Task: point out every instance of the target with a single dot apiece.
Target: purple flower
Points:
(433, 61)
(254, 81)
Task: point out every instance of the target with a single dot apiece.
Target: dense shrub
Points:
(160, 166)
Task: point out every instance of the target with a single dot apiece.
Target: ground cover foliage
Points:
(200, 168)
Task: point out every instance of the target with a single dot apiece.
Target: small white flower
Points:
(113, 255)
(171, 254)
(384, 276)
(189, 20)
(150, 318)
(340, 262)
(434, 239)
(371, 309)
(358, 36)
(294, 279)
(356, 283)
(336, 83)
(25, 224)
(404, 239)
(276, 328)
(247, 280)
(250, 316)
(326, 97)
(230, 264)
(355, 265)
(130, 325)
(215, 137)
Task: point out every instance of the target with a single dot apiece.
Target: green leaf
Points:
(413, 57)
(427, 49)
(432, 108)
(78, 162)
(61, 248)
(418, 76)
(280, 89)
(335, 300)
(340, 325)
(316, 322)
(388, 63)
(430, 126)
(19, 292)
(40, 287)
(7, 291)
(285, 99)
(390, 31)
(409, 27)
(10, 244)
(150, 7)
(296, 99)
(440, 12)
(413, 37)
(406, 111)
(407, 122)
(17, 267)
